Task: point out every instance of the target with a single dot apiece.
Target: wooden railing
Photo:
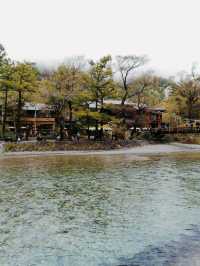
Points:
(181, 130)
(38, 119)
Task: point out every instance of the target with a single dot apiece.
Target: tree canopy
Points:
(72, 87)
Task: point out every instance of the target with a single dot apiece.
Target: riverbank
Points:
(147, 149)
(60, 146)
(89, 145)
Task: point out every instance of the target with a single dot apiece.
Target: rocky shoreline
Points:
(57, 146)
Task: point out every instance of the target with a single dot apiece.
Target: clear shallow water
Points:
(100, 210)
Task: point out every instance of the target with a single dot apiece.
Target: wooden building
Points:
(38, 118)
(143, 117)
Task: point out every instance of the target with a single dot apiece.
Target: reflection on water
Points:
(185, 251)
(99, 210)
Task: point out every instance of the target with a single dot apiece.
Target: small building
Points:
(38, 118)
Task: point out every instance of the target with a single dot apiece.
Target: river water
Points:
(102, 210)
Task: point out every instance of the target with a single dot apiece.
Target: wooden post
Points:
(35, 122)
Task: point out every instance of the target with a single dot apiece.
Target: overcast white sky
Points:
(43, 30)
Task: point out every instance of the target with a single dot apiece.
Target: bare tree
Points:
(126, 65)
(76, 62)
(2, 54)
(147, 89)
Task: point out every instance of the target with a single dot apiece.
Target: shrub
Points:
(12, 147)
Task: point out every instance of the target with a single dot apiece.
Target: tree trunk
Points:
(124, 98)
(138, 101)
(61, 128)
(96, 123)
(5, 113)
(101, 110)
(88, 127)
(190, 107)
(70, 111)
(70, 117)
(19, 108)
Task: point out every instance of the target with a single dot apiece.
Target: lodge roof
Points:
(28, 106)
(130, 104)
(113, 102)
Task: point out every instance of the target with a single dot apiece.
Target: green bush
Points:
(12, 147)
(9, 147)
(9, 136)
(157, 137)
(147, 136)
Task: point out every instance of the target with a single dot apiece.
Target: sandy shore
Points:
(141, 150)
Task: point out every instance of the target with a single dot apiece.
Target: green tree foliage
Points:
(6, 84)
(101, 86)
(24, 78)
(62, 90)
(73, 87)
(101, 83)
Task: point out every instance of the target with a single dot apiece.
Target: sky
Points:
(167, 31)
